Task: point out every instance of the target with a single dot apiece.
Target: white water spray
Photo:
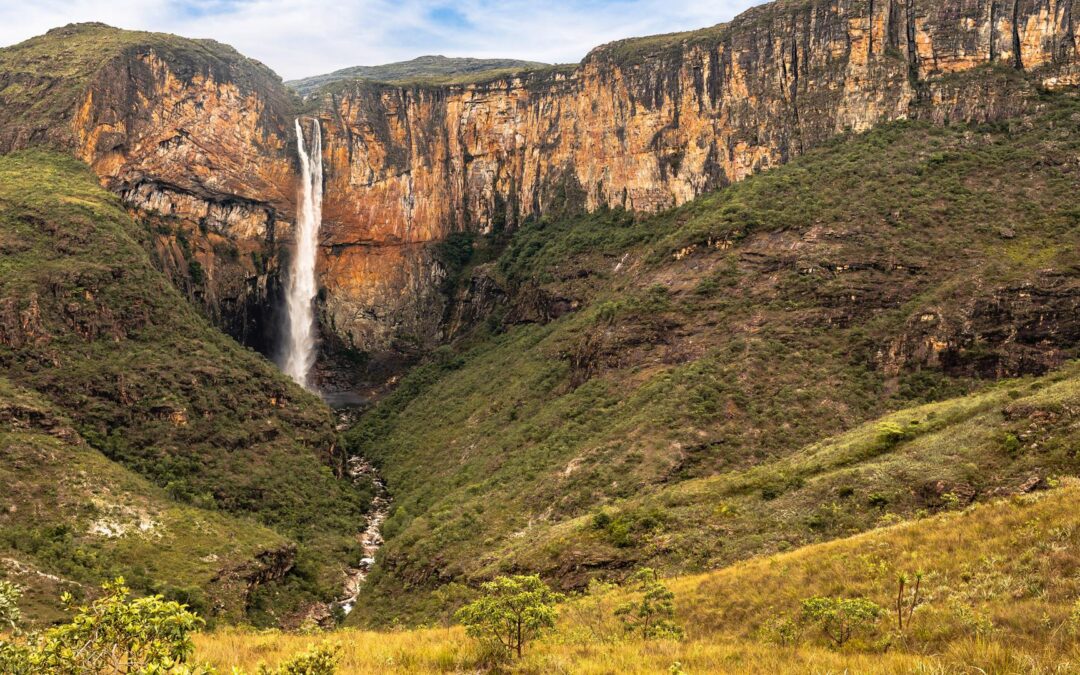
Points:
(301, 289)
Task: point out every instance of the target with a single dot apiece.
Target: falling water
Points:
(300, 291)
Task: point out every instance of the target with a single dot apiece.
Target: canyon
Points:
(700, 297)
(203, 139)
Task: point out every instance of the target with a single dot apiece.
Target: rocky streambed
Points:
(359, 469)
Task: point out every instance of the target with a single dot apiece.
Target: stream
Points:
(359, 471)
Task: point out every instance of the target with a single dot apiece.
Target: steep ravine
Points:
(371, 539)
(361, 473)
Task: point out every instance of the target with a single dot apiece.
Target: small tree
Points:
(116, 634)
(841, 618)
(510, 612)
(652, 613)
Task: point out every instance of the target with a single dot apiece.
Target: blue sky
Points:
(306, 37)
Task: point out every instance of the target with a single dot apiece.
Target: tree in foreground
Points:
(841, 618)
(651, 614)
(113, 634)
(510, 612)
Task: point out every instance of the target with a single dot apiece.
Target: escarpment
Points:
(651, 123)
(199, 137)
(191, 135)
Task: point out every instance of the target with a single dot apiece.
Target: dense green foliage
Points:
(679, 417)
(10, 614)
(113, 634)
(117, 633)
(109, 346)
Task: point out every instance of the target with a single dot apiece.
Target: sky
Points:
(298, 38)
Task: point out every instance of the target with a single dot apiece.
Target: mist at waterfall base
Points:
(298, 355)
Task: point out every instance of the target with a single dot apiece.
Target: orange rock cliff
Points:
(642, 124)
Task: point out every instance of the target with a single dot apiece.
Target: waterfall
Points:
(301, 289)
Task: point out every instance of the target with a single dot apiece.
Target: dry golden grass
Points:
(1000, 587)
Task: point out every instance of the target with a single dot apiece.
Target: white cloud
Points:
(307, 37)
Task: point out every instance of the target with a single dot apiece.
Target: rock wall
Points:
(207, 155)
(189, 133)
(201, 138)
(649, 124)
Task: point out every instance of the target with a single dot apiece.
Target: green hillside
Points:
(95, 333)
(678, 416)
(422, 69)
(70, 518)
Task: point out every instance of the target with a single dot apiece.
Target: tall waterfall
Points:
(301, 289)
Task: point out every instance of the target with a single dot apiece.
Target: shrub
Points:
(891, 434)
(781, 630)
(197, 273)
(511, 612)
(9, 605)
(652, 613)
(841, 618)
(319, 660)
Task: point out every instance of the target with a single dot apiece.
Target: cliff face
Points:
(201, 138)
(206, 148)
(648, 124)
(190, 134)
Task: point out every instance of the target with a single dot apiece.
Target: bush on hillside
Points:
(113, 634)
(319, 660)
(841, 619)
(651, 614)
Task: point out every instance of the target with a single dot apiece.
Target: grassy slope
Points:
(70, 518)
(923, 459)
(999, 595)
(717, 340)
(96, 331)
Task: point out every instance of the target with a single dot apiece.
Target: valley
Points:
(780, 311)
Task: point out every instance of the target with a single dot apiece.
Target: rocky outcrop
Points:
(235, 585)
(190, 134)
(648, 124)
(1028, 328)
